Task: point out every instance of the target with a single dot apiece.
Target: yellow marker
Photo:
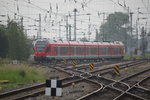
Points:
(65, 61)
(74, 63)
(91, 66)
(73, 84)
(116, 70)
(126, 68)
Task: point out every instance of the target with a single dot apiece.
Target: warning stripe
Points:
(91, 66)
(116, 69)
(74, 63)
(117, 66)
(117, 72)
(65, 61)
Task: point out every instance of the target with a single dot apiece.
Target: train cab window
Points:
(40, 45)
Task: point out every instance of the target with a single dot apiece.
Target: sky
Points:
(90, 15)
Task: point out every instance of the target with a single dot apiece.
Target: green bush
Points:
(22, 73)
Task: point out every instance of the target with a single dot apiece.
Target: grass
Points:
(5, 61)
(128, 57)
(19, 74)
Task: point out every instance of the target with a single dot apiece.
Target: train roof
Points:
(79, 42)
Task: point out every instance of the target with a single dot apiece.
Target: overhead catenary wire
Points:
(51, 12)
(17, 14)
(146, 7)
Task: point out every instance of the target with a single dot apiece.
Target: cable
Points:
(16, 13)
(145, 7)
(124, 7)
(45, 10)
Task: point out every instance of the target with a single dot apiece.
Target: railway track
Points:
(122, 66)
(127, 88)
(145, 83)
(133, 81)
(78, 69)
(39, 89)
(108, 88)
(106, 93)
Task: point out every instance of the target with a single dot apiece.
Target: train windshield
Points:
(40, 45)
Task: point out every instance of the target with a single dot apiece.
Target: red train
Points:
(57, 50)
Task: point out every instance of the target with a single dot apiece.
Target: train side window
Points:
(66, 50)
(56, 50)
(82, 50)
(87, 50)
(93, 50)
(106, 50)
(113, 50)
(63, 50)
(103, 50)
(118, 50)
(100, 50)
(78, 49)
(72, 50)
(60, 50)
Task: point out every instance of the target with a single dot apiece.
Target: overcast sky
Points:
(54, 12)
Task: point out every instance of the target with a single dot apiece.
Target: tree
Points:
(84, 39)
(18, 47)
(3, 42)
(113, 29)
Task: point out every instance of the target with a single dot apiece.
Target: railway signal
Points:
(91, 66)
(53, 87)
(116, 69)
(74, 63)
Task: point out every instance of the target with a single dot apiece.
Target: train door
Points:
(48, 49)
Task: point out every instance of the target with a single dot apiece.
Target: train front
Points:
(40, 49)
